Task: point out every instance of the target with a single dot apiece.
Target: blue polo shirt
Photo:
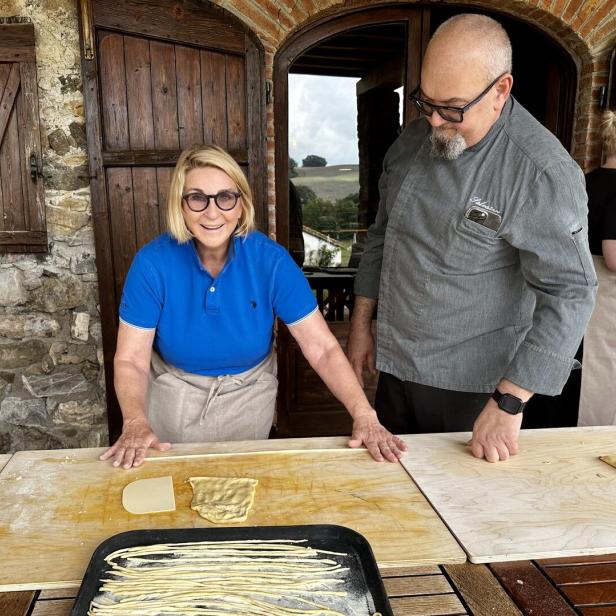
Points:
(221, 325)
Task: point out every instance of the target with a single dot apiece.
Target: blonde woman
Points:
(194, 359)
(598, 392)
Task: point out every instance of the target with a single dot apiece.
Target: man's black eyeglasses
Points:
(197, 201)
(451, 114)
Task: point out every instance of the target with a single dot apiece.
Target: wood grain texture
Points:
(481, 591)
(531, 590)
(578, 574)
(555, 498)
(16, 603)
(406, 571)
(431, 605)
(59, 505)
(589, 594)
(417, 585)
(55, 607)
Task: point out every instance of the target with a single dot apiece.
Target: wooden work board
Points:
(555, 498)
(59, 505)
(4, 458)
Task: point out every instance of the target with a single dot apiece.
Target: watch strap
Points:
(508, 402)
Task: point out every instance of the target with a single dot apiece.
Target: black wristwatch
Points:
(508, 402)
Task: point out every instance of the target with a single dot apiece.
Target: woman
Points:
(194, 358)
(598, 393)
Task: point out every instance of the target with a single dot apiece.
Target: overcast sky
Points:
(323, 118)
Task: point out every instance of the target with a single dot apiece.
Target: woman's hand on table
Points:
(130, 449)
(380, 442)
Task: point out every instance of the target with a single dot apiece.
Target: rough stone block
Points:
(80, 326)
(24, 353)
(64, 292)
(12, 289)
(19, 412)
(28, 326)
(56, 384)
(84, 263)
(84, 414)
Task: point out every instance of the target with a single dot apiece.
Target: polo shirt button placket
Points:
(212, 299)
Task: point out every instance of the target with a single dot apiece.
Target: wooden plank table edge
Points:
(530, 589)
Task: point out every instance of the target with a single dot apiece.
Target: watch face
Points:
(510, 404)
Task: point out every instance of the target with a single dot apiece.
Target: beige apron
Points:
(185, 407)
(598, 393)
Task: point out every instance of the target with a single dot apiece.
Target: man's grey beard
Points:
(445, 147)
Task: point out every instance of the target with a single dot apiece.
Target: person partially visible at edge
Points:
(478, 256)
(194, 359)
(601, 189)
(598, 389)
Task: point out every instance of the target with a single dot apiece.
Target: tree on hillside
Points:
(306, 194)
(292, 168)
(319, 214)
(312, 160)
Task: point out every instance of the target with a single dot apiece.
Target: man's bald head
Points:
(467, 66)
(473, 38)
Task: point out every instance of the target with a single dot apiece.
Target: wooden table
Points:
(59, 505)
(558, 587)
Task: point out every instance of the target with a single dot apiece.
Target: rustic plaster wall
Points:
(51, 378)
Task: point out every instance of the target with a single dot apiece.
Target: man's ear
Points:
(503, 89)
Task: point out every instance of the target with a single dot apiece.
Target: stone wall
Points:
(52, 391)
(51, 377)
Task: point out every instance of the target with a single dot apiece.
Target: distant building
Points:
(321, 249)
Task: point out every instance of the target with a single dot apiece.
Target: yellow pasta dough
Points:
(222, 499)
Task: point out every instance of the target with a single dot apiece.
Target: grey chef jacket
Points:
(462, 305)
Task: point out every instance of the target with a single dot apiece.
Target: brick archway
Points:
(584, 29)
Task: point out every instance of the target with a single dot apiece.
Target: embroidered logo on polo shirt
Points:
(253, 303)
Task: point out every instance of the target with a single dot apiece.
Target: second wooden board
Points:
(555, 498)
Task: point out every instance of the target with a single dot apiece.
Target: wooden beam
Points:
(387, 75)
(17, 43)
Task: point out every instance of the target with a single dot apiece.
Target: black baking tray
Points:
(363, 584)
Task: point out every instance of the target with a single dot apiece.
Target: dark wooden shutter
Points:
(22, 207)
(160, 76)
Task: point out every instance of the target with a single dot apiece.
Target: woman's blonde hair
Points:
(207, 156)
(608, 132)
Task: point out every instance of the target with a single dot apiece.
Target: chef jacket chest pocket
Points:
(473, 243)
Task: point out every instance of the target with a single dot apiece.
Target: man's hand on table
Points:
(130, 449)
(495, 433)
(380, 442)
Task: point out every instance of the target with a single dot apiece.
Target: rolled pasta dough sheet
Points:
(154, 495)
(223, 499)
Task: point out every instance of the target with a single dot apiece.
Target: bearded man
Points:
(478, 257)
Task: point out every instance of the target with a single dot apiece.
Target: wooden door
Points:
(159, 76)
(22, 207)
(305, 405)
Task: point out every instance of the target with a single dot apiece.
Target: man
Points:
(478, 256)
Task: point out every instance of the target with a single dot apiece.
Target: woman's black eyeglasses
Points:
(197, 201)
(451, 114)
